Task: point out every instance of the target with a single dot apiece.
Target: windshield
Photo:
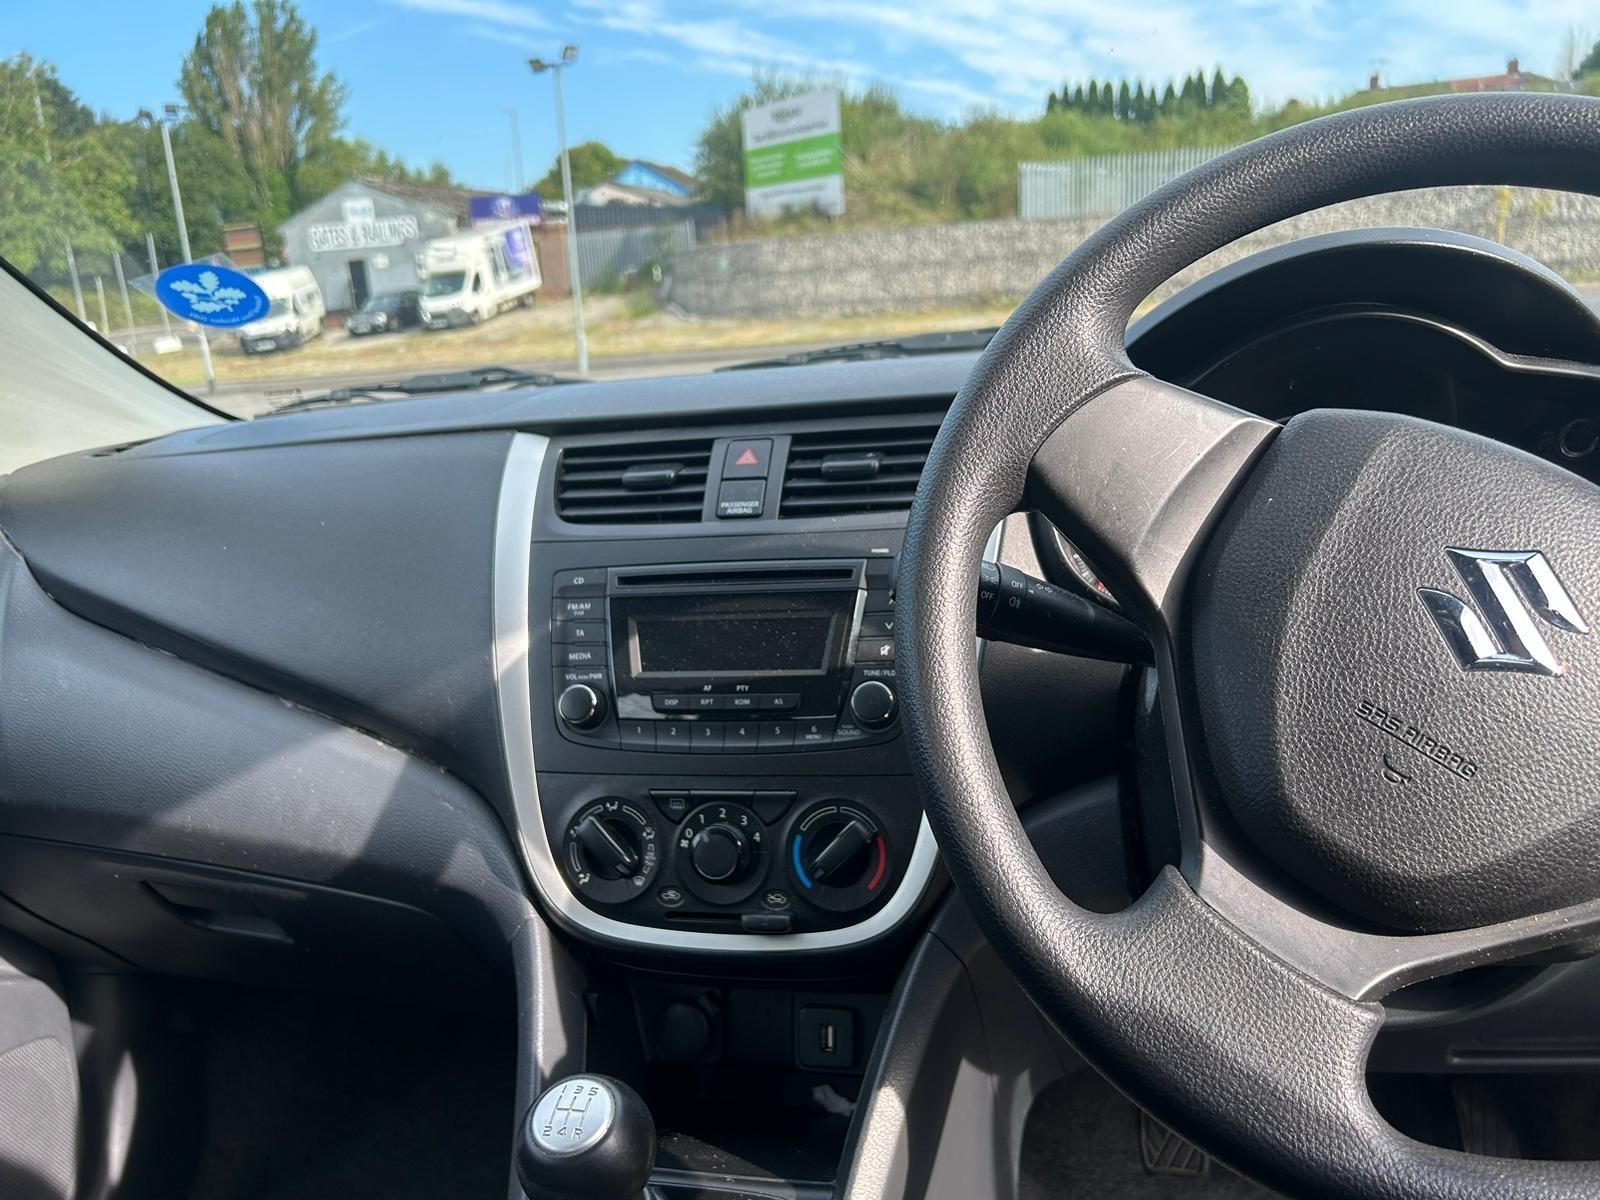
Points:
(446, 283)
(747, 183)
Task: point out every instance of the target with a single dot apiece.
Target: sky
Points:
(429, 79)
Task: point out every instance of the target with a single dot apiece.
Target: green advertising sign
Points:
(791, 162)
(792, 156)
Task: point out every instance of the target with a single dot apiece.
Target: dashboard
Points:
(619, 655)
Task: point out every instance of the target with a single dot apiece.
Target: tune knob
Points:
(719, 853)
(581, 706)
(873, 704)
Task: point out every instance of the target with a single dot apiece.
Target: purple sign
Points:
(489, 210)
(519, 250)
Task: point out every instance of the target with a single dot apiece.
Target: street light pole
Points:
(516, 150)
(183, 241)
(569, 55)
(155, 269)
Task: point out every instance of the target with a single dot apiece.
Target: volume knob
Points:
(581, 706)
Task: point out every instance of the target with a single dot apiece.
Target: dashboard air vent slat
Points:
(633, 484)
(856, 471)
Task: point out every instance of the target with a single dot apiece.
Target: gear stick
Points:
(587, 1137)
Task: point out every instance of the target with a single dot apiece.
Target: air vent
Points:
(633, 484)
(856, 471)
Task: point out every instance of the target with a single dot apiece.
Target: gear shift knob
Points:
(587, 1137)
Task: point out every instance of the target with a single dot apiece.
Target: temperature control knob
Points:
(581, 706)
(839, 857)
(719, 853)
(873, 704)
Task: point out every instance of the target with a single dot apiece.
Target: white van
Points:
(294, 316)
(470, 277)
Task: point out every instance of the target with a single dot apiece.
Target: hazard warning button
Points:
(747, 459)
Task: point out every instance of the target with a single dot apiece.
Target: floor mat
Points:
(1084, 1140)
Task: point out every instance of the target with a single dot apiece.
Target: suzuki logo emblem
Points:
(1497, 627)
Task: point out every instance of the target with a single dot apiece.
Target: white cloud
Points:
(509, 37)
(499, 12)
(352, 31)
(956, 55)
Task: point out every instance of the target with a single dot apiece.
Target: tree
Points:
(591, 163)
(1590, 63)
(65, 177)
(1125, 102)
(1219, 90)
(252, 81)
(1239, 95)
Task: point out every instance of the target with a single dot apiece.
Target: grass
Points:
(617, 326)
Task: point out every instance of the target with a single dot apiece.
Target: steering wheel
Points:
(1378, 685)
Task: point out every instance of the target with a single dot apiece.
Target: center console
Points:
(711, 756)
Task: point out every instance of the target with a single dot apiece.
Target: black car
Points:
(385, 313)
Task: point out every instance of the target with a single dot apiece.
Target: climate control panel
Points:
(704, 856)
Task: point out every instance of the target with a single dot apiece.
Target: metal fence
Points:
(1093, 187)
(609, 255)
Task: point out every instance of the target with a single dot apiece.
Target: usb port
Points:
(825, 1039)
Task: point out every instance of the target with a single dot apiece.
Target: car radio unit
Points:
(722, 658)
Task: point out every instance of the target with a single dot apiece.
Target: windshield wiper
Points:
(428, 385)
(906, 347)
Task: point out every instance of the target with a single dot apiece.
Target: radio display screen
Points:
(733, 636)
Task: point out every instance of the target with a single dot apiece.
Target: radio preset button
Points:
(580, 581)
(813, 735)
(578, 633)
(706, 737)
(637, 735)
(670, 702)
(700, 702)
(775, 735)
(742, 703)
(781, 702)
(740, 737)
(672, 737)
(579, 608)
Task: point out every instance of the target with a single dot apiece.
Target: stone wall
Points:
(950, 266)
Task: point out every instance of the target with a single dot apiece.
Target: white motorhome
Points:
(470, 277)
(294, 315)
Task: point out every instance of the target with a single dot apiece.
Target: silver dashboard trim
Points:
(513, 571)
